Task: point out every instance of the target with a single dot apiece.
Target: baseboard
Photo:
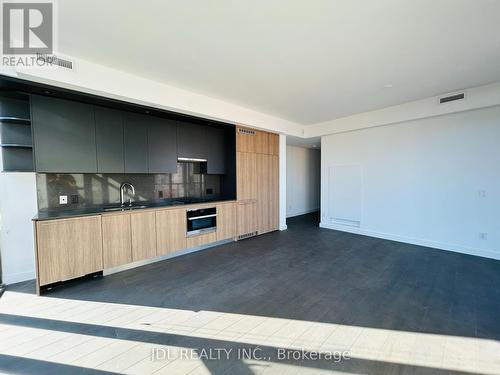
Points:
(302, 212)
(18, 277)
(415, 241)
(140, 263)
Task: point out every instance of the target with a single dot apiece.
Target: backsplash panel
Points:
(104, 189)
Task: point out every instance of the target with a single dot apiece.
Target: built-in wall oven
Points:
(201, 220)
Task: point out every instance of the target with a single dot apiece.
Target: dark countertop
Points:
(62, 214)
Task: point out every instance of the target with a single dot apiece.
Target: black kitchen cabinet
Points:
(191, 141)
(64, 135)
(135, 142)
(109, 139)
(216, 150)
(162, 145)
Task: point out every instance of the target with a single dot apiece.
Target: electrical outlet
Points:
(74, 198)
(63, 199)
(483, 236)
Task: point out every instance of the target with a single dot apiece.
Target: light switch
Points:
(63, 199)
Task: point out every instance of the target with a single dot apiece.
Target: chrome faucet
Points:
(123, 187)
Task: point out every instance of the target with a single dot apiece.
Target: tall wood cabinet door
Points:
(247, 217)
(274, 190)
(274, 144)
(226, 221)
(170, 230)
(116, 240)
(68, 248)
(262, 143)
(246, 175)
(143, 230)
(263, 193)
(246, 139)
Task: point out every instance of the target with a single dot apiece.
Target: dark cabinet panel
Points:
(216, 151)
(162, 146)
(109, 139)
(64, 136)
(135, 142)
(191, 140)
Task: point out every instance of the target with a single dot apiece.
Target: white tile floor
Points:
(122, 355)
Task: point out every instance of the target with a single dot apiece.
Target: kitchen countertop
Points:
(62, 214)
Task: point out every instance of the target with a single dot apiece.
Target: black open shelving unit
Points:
(16, 141)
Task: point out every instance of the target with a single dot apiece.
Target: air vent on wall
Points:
(54, 60)
(246, 131)
(452, 98)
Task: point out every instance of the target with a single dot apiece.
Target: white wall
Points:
(475, 98)
(302, 180)
(433, 182)
(17, 208)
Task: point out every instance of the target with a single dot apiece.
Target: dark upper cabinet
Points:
(162, 146)
(109, 140)
(191, 141)
(64, 135)
(216, 150)
(135, 142)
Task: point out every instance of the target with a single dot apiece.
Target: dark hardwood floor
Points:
(315, 274)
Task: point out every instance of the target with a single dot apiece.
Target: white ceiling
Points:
(304, 61)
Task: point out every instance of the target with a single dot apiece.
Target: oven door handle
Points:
(201, 217)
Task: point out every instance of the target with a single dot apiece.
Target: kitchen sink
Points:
(126, 208)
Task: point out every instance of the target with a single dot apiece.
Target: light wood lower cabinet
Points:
(68, 248)
(143, 231)
(247, 218)
(170, 230)
(226, 221)
(74, 247)
(116, 240)
(201, 239)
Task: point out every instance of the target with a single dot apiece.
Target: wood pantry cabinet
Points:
(257, 182)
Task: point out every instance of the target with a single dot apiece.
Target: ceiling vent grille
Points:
(246, 131)
(54, 60)
(452, 98)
